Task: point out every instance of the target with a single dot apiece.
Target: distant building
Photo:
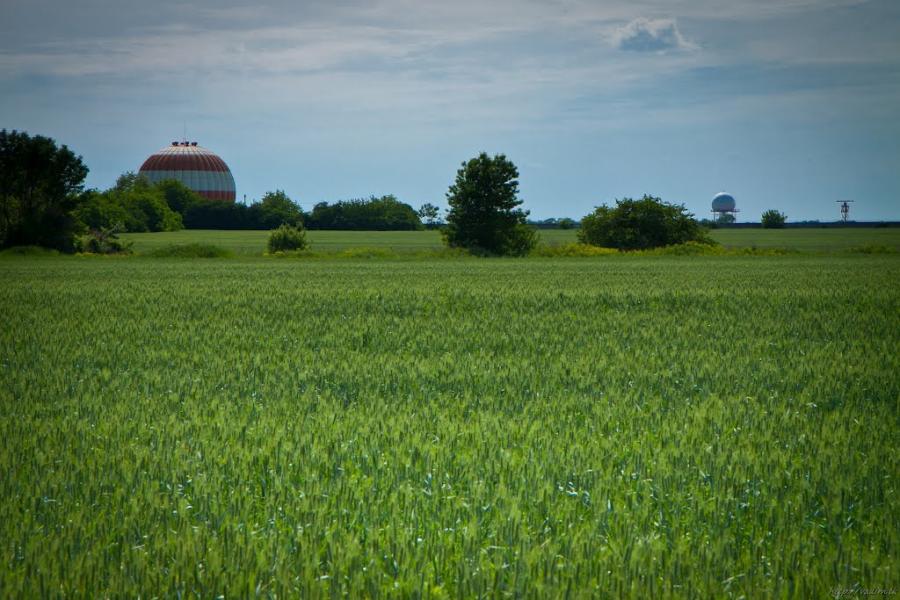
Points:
(196, 167)
(724, 208)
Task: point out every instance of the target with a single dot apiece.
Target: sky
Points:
(785, 104)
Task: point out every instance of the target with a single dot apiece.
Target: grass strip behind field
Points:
(253, 243)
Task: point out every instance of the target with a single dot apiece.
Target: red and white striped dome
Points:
(194, 166)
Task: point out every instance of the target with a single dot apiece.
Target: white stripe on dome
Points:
(207, 181)
(185, 150)
(209, 178)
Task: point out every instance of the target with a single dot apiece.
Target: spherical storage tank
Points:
(723, 202)
(194, 166)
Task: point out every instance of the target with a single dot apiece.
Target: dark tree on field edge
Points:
(40, 186)
(640, 224)
(429, 214)
(484, 216)
(384, 213)
(772, 219)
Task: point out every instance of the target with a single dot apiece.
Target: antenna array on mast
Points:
(845, 209)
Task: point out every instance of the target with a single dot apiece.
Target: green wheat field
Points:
(618, 426)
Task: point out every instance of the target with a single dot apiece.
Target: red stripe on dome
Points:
(149, 164)
(179, 162)
(184, 162)
(217, 163)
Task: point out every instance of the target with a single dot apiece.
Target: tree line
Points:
(43, 202)
(138, 205)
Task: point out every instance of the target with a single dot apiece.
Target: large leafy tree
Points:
(484, 211)
(145, 204)
(40, 186)
(101, 210)
(135, 204)
(639, 224)
(276, 209)
(178, 196)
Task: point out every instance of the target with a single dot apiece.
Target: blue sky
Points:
(787, 104)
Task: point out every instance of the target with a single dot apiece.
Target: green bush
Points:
(287, 237)
(641, 224)
(772, 219)
(102, 241)
(191, 251)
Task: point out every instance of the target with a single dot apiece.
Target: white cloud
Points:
(650, 35)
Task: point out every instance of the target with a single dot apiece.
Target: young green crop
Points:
(603, 427)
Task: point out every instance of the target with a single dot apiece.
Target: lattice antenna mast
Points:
(845, 209)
